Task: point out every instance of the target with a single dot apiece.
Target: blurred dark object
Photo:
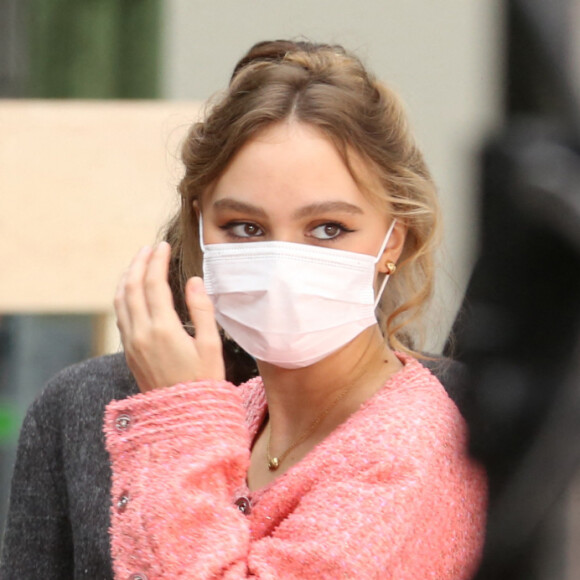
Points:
(520, 339)
(13, 56)
(97, 49)
(519, 333)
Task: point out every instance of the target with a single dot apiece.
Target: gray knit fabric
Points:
(58, 519)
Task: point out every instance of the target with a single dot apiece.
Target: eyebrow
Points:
(228, 203)
(327, 206)
(241, 206)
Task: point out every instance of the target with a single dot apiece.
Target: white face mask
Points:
(291, 304)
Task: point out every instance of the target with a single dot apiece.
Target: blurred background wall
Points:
(442, 57)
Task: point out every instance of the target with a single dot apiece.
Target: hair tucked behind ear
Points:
(328, 88)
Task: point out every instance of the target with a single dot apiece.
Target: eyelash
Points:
(229, 230)
(343, 230)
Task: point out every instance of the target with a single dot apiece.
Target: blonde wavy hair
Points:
(327, 88)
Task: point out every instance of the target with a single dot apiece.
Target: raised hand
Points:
(159, 351)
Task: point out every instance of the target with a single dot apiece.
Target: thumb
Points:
(207, 337)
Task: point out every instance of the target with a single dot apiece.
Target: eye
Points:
(243, 230)
(329, 231)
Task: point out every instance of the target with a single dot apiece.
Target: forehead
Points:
(293, 162)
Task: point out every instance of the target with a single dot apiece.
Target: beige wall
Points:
(441, 55)
(82, 186)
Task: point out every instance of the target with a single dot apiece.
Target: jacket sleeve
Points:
(179, 455)
(37, 540)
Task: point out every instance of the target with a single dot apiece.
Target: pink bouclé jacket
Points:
(390, 494)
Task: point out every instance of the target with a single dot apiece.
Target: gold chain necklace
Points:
(275, 462)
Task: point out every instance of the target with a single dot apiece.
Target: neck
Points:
(297, 397)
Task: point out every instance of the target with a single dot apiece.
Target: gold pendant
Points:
(273, 464)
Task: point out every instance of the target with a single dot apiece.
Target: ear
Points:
(196, 208)
(394, 247)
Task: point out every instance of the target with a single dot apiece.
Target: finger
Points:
(133, 292)
(202, 315)
(157, 291)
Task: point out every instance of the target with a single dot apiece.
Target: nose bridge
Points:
(286, 232)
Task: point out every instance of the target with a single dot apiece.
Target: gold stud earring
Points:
(391, 268)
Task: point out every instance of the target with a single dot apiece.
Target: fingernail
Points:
(197, 285)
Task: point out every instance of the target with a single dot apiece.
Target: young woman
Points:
(303, 194)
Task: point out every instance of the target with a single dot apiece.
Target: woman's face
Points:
(290, 184)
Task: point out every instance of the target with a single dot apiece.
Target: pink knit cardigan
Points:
(390, 494)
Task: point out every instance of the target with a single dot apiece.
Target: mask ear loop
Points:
(386, 278)
(201, 244)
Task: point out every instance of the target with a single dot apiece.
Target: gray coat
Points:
(58, 519)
